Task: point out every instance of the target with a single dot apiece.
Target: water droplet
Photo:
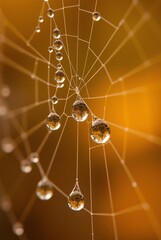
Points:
(60, 85)
(34, 157)
(53, 121)
(56, 33)
(18, 228)
(96, 16)
(58, 45)
(59, 66)
(54, 100)
(100, 131)
(7, 145)
(5, 203)
(50, 49)
(5, 91)
(26, 166)
(41, 19)
(59, 56)
(50, 13)
(44, 189)
(37, 29)
(76, 199)
(80, 111)
(59, 76)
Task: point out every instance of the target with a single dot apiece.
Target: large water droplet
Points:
(44, 189)
(80, 111)
(100, 131)
(53, 121)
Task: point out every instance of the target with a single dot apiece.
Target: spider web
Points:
(109, 63)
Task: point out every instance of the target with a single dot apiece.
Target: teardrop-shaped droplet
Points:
(54, 100)
(80, 111)
(59, 76)
(59, 66)
(37, 29)
(44, 190)
(41, 19)
(7, 145)
(76, 199)
(58, 45)
(26, 166)
(96, 16)
(18, 228)
(59, 56)
(56, 33)
(50, 49)
(100, 131)
(53, 121)
(50, 13)
(34, 157)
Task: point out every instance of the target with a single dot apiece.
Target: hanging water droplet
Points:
(60, 85)
(100, 131)
(96, 16)
(59, 76)
(58, 45)
(34, 157)
(54, 100)
(44, 190)
(3, 109)
(18, 228)
(5, 203)
(26, 166)
(41, 19)
(5, 91)
(76, 199)
(37, 29)
(59, 66)
(56, 33)
(50, 49)
(59, 56)
(79, 111)
(53, 121)
(50, 13)
(7, 145)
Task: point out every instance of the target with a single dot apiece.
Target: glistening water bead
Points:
(58, 45)
(34, 157)
(59, 56)
(76, 200)
(56, 33)
(26, 166)
(18, 228)
(50, 13)
(7, 145)
(79, 111)
(100, 131)
(41, 19)
(44, 189)
(59, 76)
(96, 16)
(53, 121)
(54, 100)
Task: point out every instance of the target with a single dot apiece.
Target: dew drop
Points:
(100, 131)
(54, 100)
(96, 16)
(56, 33)
(50, 13)
(7, 145)
(18, 228)
(5, 203)
(58, 45)
(3, 109)
(59, 56)
(60, 85)
(50, 49)
(34, 157)
(44, 190)
(37, 29)
(79, 111)
(26, 166)
(5, 91)
(41, 19)
(59, 66)
(76, 199)
(53, 121)
(59, 76)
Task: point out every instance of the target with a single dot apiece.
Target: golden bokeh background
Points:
(132, 109)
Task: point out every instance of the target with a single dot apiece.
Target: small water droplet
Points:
(44, 190)
(56, 33)
(100, 131)
(50, 13)
(53, 121)
(96, 16)
(79, 111)
(59, 76)
(58, 45)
